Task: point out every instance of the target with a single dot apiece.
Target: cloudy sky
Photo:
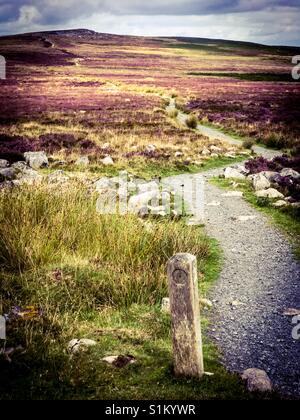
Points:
(265, 21)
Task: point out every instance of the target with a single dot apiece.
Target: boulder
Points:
(269, 193)
(270, 175)
(20, 166)
(7, 174)
(3, 164)
(290, 172)
(257, 380)
(139, 201)
(107, 161)
(279, 204)
(36, 160)
(83, 161)
(260, 182)
(233, 173)
(29, 177)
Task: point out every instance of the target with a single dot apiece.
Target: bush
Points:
(192, 122)
(109, 259)
(248, 144)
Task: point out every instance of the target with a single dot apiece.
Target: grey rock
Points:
(290, 172)
(261, 182)
(3, 163)
(78, 346)
(257, 380)
(36, 160)
(269, 193)
(83, 161)
(7, 174)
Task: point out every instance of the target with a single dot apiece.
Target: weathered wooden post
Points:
(185, 313)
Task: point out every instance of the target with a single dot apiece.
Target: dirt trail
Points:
(259, 281)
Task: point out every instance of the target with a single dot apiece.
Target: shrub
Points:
(248, 144)
(111, 259)
(192, 122)
(173, 113)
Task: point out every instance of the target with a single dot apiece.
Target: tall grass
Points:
(104, 259)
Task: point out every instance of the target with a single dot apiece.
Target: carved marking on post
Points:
(185, 312)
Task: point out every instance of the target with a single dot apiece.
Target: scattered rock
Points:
(236, 303)
(246, 218)
(20, 166)
(257, 380)
(215, 149)
(7, 174)
(150, 148)
(205, 152)
(260, 182)
(107, 161)
(36, 160)
(165, 306)
(290, 172)
(233, 194)
(291, 312)
(29, 176)
(206, 303)
(83, 161)
(78, 346)
(147, 187)
(3, 164)
(233, 173)
(103, 184)
(58, 177)
(269, 193)
(230, 155)
(214, 204)
(279, 204)
(179, 154)
(137, 202)
(119, 361)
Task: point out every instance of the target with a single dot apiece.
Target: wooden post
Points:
(185, 313)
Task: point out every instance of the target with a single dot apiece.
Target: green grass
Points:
(99, 277)
(287, 219)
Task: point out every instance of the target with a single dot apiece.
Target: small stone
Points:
(205, 152)
(119, 361)
(206, 303)
(165, 306)
(7, 174)
(292, 312)
(233, 173)
(3, 163)
(246, 218)
(279, 204)
(233, 194)
(83, 161)
(150, 148)
(178, 154)
(108, 161)
(257, 380)
(215, 149)
(269, 193)
(214, 204)
(78, 346)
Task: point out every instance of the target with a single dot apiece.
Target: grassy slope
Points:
(98, 277)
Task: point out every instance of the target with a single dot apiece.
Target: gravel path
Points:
(259, 281)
